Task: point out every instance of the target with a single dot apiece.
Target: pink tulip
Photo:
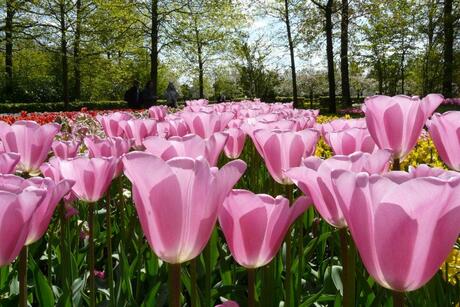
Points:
(342, 124)
(8, 161)
(198, 102)
(177, 127)
(396, 123)
(283, 150)
(30, 140)
(99, 274)
(228, 304)
(70, 210)
(111, 122)
(158, 113)
(178, 200)
(43, 214)
(53, 171)
(252, 125)
(206, 123)
(314, 179)
(109, 147)
(445, 131)
(404, 225)
(191, 146)
(235, 123)
(348, 141)
(304, 122)
(235, 143)
(65, 149)
(18, 207)
(138, 130)
(255, 225)
(92, 176)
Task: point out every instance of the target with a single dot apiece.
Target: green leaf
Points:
(312, 299)
(42, 288)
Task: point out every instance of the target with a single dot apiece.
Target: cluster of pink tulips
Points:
(402, 223)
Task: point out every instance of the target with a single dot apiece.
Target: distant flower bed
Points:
(452, 101)
(245, 202)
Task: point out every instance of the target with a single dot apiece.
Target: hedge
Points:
(59, 106)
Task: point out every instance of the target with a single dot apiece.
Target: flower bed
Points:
(245, 201)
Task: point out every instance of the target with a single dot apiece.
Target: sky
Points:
(265, 26)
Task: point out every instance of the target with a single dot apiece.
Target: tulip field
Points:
(232, 204)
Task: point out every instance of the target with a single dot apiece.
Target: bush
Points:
(59, 106)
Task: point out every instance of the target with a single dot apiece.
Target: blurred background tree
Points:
(70, 50)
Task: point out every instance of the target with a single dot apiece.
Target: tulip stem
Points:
(50, 254)
(396, 164)
(398, 299)
(174, 285)
(300, 254)
(65, 253)
(23, 277)
(251, 287)
(287, 283)
(268, 297)
(348, 252)
(92, 284)
(122, 209)
(207, 263)
(122, 219)
(288, 240)
(193, 279)
(109, 252)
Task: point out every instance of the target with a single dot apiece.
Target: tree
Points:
(10, 11)
(255, 79)
(390, 34)
(154, 18)
(344, 54)
(203, 29)
(431, 29)
(291, 53)
(448, 48)
(13, 25)
(56, 20)
(291, 13)
(328, 11)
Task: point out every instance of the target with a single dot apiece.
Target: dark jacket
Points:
(132, 97)
(147, 98)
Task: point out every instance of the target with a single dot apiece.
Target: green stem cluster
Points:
(91, 257)
(348, 252)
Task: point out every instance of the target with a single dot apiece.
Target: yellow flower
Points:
(451, 267)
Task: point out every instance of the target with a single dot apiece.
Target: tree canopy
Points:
(71, 50)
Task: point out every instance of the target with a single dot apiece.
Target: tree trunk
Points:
(154, 49)
(291, 51)
(76, 54)
(9, 47)
(65, 68)
(448, 49)
(427, 86)
(403, 70)
(344, 54)
(330, 56)
(200, 71)
(379, 71)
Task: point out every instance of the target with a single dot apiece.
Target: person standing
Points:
(171, 95)
(148, 95)
(132, 96)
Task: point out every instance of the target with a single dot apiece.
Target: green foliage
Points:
(395, 47)
(59, 106)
